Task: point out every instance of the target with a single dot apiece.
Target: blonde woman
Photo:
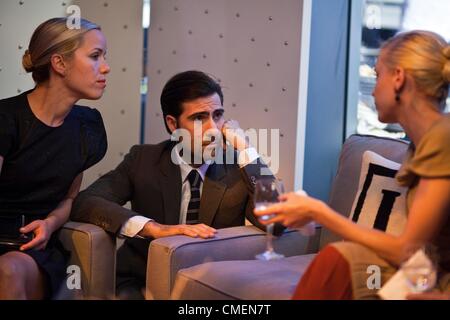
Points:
(413, 72)
(46, 142)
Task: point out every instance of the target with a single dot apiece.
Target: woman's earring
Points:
(397, 96)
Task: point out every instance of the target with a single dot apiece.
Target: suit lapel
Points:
(170, 182)
(212, 193)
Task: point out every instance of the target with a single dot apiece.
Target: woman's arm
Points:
(44, 228)
(428, 212)
(61, 214)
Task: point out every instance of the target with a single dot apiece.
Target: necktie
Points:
(194, 203)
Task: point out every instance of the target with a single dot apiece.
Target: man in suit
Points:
(170, 193)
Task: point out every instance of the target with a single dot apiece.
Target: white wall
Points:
(121, 21)
(18, 19)
(253, 47)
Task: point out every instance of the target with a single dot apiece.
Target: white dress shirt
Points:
(135, 224)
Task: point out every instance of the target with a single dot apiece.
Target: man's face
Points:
(207, 112)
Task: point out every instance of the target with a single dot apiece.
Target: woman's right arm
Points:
(428, 212)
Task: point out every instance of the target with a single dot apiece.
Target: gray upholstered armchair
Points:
(94, 251)
(167, 256)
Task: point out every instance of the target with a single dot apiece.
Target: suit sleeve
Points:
(101, 203)
(251, 173)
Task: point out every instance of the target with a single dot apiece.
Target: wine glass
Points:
(422, 277)
(267, 191)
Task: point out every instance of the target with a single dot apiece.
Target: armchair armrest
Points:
(94, 251)
(168, 255)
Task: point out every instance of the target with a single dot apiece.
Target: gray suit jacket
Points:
(152, 182)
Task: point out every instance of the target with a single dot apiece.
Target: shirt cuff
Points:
(133, 226)
(247, 156)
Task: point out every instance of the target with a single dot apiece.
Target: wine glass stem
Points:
(269, 230)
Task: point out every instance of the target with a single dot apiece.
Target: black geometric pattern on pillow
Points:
(387, 203)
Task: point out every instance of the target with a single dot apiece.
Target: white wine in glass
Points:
(267, 191)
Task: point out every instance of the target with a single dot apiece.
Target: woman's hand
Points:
(294, 210)
(43, 229)
(42, 233)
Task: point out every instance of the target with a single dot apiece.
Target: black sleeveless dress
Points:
(39, 165)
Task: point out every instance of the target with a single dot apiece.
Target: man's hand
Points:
(235, 135)
(155, 230)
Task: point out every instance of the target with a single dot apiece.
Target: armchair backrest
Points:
(345, 184)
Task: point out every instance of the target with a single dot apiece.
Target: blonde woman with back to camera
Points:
(413, 75)
(46, 142)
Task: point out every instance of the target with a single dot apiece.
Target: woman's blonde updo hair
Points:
(426, 57)
(52, 37)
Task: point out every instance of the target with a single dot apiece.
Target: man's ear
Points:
(172, 123)
(59, 65)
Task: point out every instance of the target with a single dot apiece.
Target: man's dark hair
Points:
(184, 87)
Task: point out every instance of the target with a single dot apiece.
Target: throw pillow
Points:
(380, 202)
